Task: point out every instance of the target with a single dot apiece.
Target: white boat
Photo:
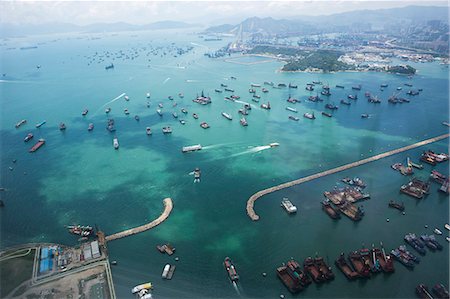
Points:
(144, 286)
(292, 109)
(107, 110)
(191, 148)
(165, 271)
(148, 95)
(127, 98)
(159, 112)
(437, 231)
(227, 116)
(126, 111)
(116, 143)
(447, 226)
(309, 115)
(288, 206)
(447, 238)
(148, 130)
(167, 130)
(274, 144)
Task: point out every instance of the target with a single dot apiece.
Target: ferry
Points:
(62, 126)
(309, 115)
(28, 137)
(40, 124)
(23, 121)
(91, 127)
(191, 148)
(127, 98)
(148, 95)
(293, 117)
(274, 144)
(35, 147)
(126, 111)
(288, 206)
(243, 122)
(292, 109)
(107, 110)
(227, 116)
(231, 270)
(204, 125)
(167, 130)
(116, 143)
(148, 131)
(159, 112)
(144, 286)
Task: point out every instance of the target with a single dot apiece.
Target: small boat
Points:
(195, 115)
(197, 175)
(170, 98)
(159, 112)
(331, 106)
(256, 96)
(243, 122)
(127, 98)
(148, 130)
(383, 85)
(23, 121)
(28, 137)
(223, 85)
(227, 116)
(251, 90)
(62, 126)
(108, 67)
(364, 115)
(138, 288)
(292, 85)
(357, 87)
(175, 115)
(255, 100)
(294, 118)
(255, 85)
(340, 86)
(91, 127)
(268, 83)
(136, 117)
(447, 226)
(291, 109)
(265, 90)
(266, 106)
(40, 124)
(126, 111)
(309, 115)
(116, 142)
(326, 114)
(229, 89)
(167, 130)
(204, 125)
(107, 110)
(218, 90)
(399, 88)
(160, 105)
(274, 144)
(85, 111)
(181, 95)
(344, 102)
(182, 121)
(191, 148)
(437, 231)
(148, 95)
(184, 111)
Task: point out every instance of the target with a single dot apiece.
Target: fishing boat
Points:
(37, 146)
(231, 270)
(167, 130)
(256, 96)
(352, 97)
(227, 116)
(90, 127)
(148, 131)
(292, 85)
(340, 86)
(116, 142)
(204, 125)
(28, 137)
(170, 98)
(23, 121)
(243, 122)
(38, 125)
(309, 115)
(265, 90)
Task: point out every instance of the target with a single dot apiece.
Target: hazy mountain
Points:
(12, 30)
(354, 20)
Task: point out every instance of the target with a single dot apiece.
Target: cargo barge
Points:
(346, 268)
(415, 188)
(359, 265)
(313, 270)
(37, 146)
(330, 210)
(385, 260)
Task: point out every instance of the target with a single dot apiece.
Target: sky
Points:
(201, 12)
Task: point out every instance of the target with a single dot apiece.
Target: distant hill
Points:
(12, 30)
(353, 20)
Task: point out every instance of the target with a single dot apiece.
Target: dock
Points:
(168, 205)
(251, 201)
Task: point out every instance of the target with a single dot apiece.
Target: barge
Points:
(330, 210)
(37, 146)
(345, 267)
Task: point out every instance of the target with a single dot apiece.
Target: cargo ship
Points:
(415, 188)
(191, 148)
(328, 208)
(23, 121)
(227, 116)
(345, 267)
(288, 206)
(231, 270)
(28, 137)
(144, 286)
(38, 145)
(368, 259)
(431, 242)
(403, 258)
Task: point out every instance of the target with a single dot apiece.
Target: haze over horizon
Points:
(203, 12)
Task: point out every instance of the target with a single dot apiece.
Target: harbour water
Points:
(78, 177)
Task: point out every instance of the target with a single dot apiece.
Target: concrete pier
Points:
(168, 205)
(251, 201)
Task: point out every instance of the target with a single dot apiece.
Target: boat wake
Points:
(198, 45)
(235, 286)
(216, 145)
(252, 150)
(165, 81)
(190, 81)
(112, 101)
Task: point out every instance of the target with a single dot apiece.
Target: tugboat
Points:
(345, 267)
(204, 125)
(231, 270)
(148, 131)
(197, 174)
(116, 142)
(91, 127)
(243, 122)
(28, 137)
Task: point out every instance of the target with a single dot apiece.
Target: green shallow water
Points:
(77, 177)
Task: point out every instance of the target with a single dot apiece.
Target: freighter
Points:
(232, 274)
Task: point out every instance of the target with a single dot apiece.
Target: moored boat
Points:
(313, 270)
(288, 206)
(345, 267)
(28, 137)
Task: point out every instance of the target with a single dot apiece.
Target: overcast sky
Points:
(203, 12)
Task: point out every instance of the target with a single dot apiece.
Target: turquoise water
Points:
(77, 177)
